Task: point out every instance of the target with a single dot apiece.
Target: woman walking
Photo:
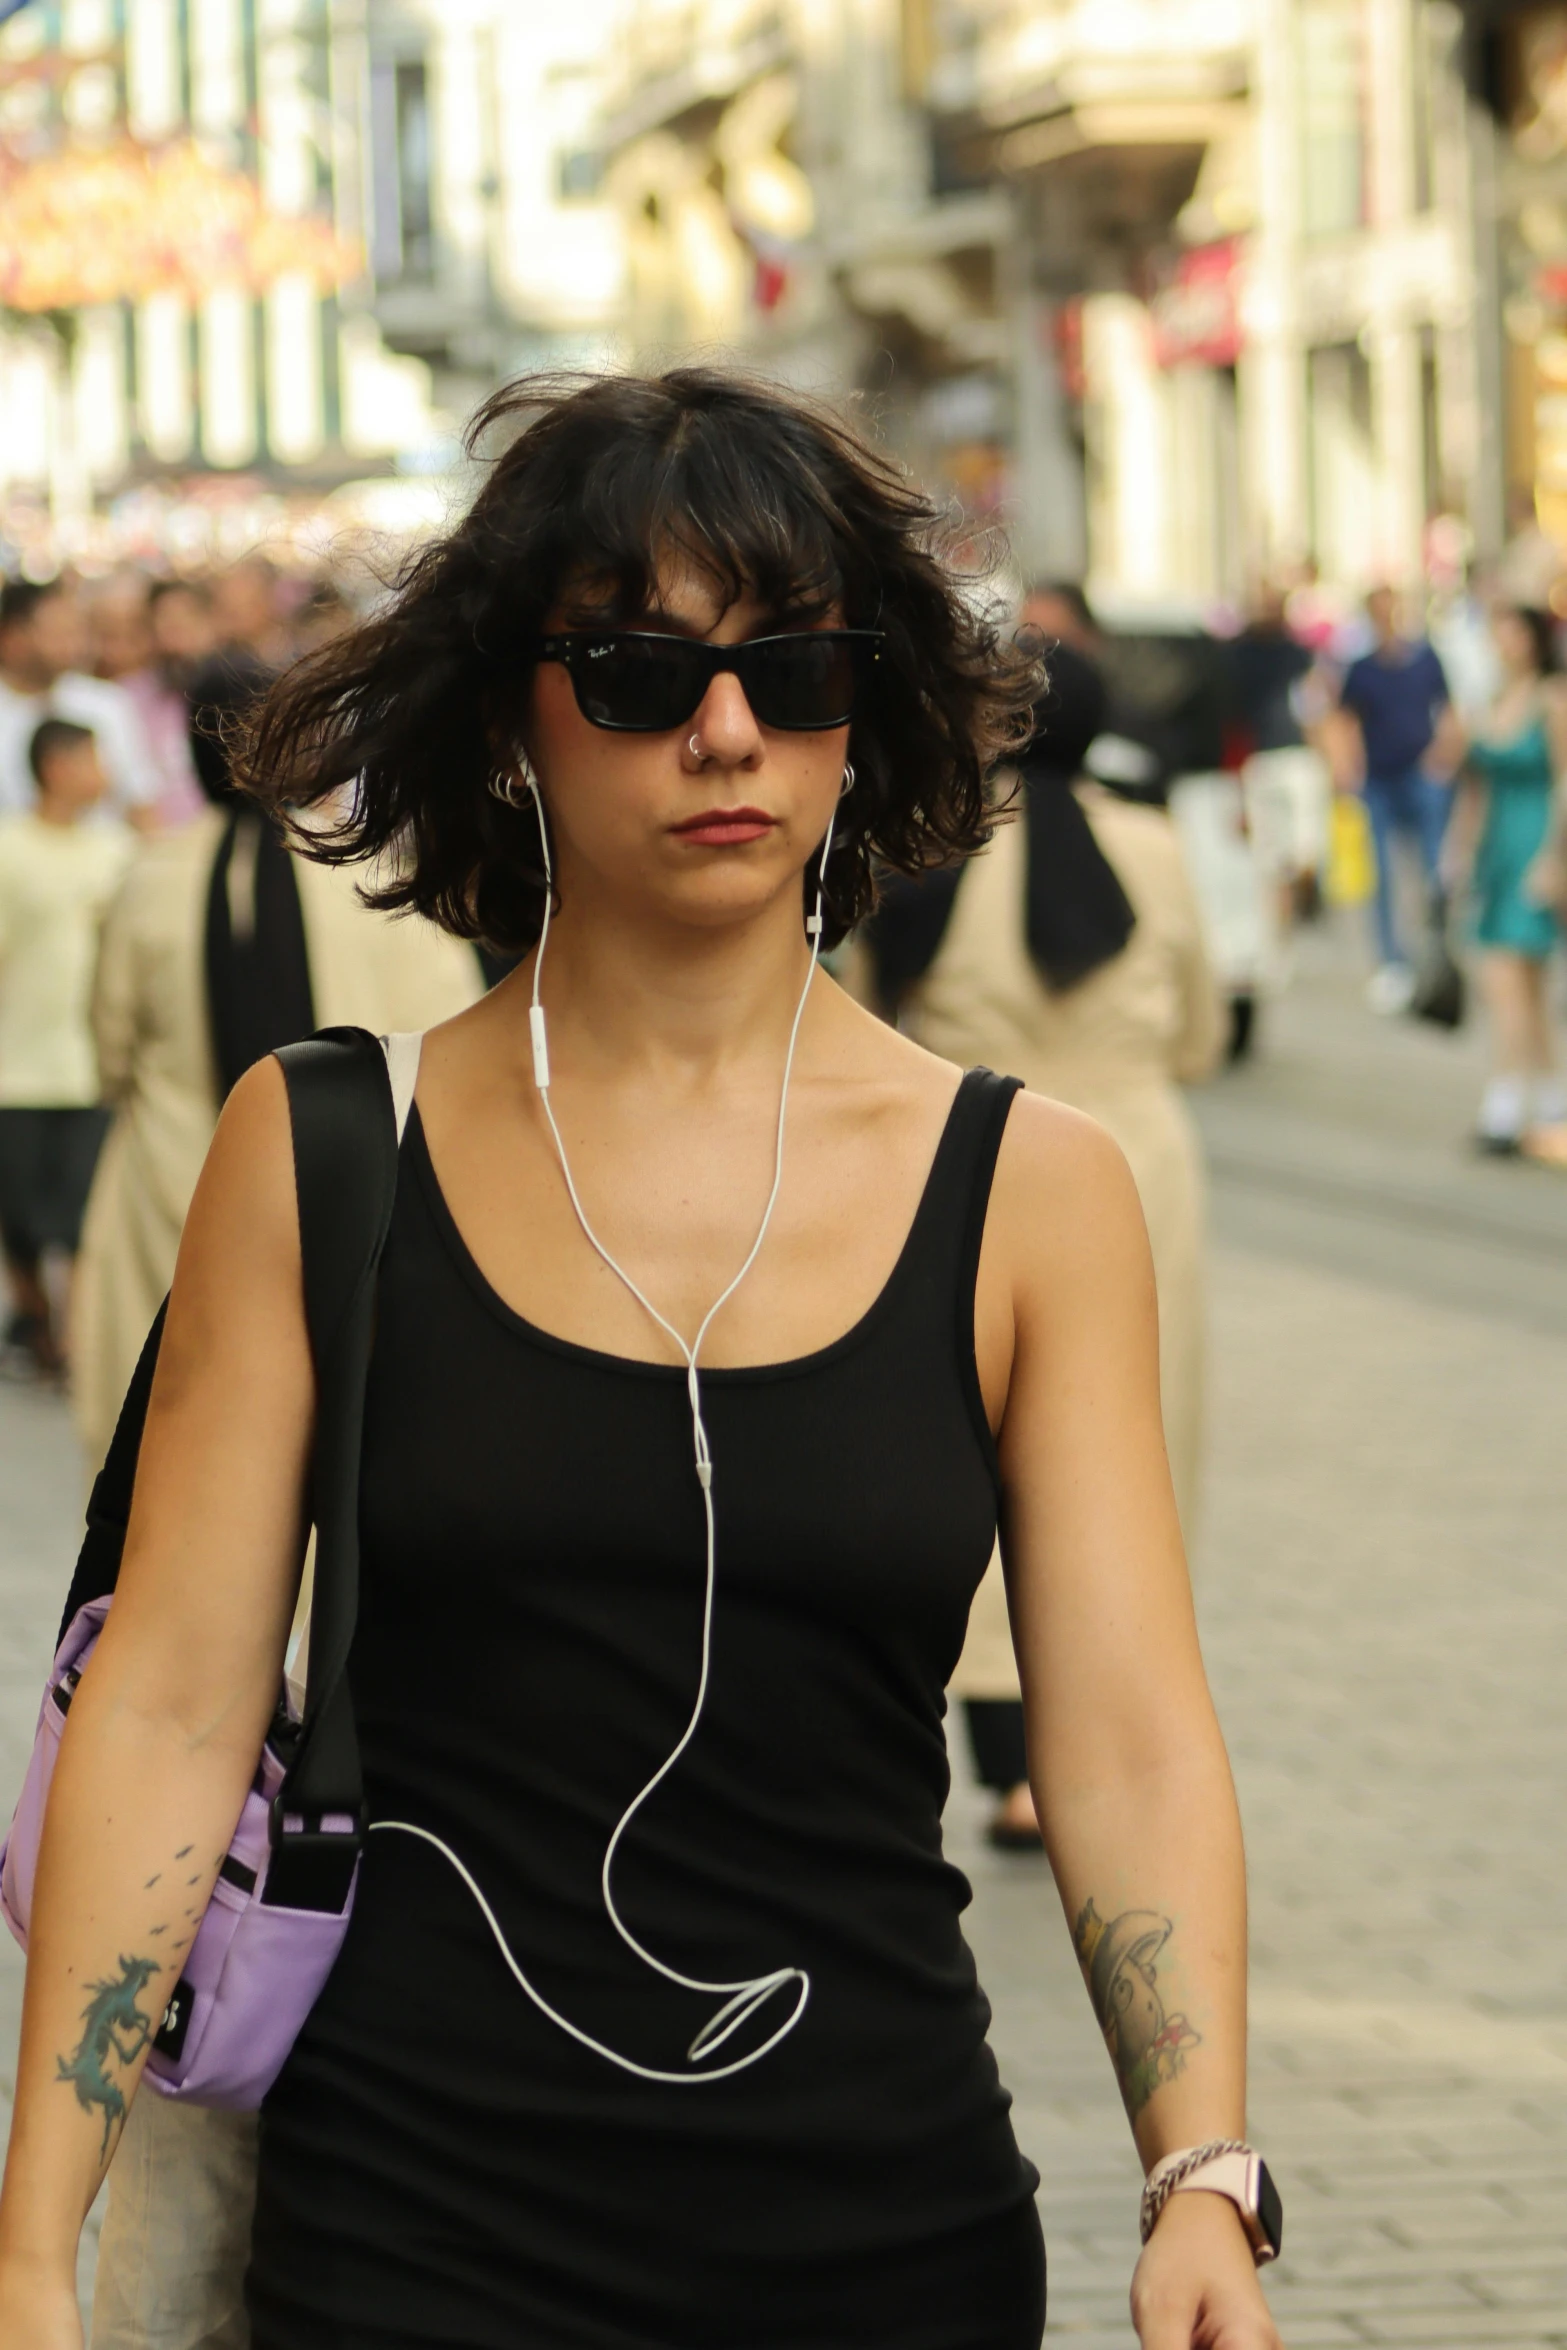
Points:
(1513, 764)
(709, 2067)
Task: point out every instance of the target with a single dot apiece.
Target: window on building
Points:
(413, 168)
(579, 174)
(403, 240)
(1345, 475)
(1332, 116)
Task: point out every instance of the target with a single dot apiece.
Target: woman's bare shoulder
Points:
(244, 1215)
(1063, 1194)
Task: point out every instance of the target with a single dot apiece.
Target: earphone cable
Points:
(748, 1995)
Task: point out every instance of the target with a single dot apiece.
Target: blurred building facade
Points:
(1185, 292)
(435, 154)
(1188, 291)
(1519, 68)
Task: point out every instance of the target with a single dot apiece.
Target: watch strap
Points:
(1221, 2166)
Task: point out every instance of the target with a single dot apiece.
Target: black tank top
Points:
(442, 2165)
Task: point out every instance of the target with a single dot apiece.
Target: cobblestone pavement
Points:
(1379, 1583)
(1380, 1587)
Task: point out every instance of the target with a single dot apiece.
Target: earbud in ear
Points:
(536, 1029)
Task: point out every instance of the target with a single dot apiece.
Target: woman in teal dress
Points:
(1514, 764)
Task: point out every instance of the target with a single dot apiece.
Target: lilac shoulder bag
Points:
(280, 1908)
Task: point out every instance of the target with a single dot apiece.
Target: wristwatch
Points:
(1224, 2166)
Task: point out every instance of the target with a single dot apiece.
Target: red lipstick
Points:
(725, 828)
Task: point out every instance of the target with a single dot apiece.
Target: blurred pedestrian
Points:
(1462, 638)
(324, 612)
(247, 612)
(222, 691)
(221, 945)
(1056, 612)
(1071, 952)
(1411, 743)
(1277, 695)
(1513, 763)
(45, 653)
(57, 875)
(183, 628)
(127, 651)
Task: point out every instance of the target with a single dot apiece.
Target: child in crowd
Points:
(57, 875)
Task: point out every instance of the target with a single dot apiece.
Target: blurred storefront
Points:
(1520, 68)
(254, 256)
(1185, 291)
(1254, 221)
(772, 161)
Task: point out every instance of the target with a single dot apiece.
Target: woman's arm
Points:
(1128, 1766)
(1463, 831)
(161, 1742)
(1546, 880)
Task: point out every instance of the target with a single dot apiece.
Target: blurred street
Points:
(1379, 1584)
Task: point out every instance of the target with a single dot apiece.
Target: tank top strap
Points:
(951, 1223)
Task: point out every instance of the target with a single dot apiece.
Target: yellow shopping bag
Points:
(1352, 866)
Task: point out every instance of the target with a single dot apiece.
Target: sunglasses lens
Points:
(641, 686)
(800, 683)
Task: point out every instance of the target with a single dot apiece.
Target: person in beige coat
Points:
(1119, 1045)
(1070, 954)
(159, 1070)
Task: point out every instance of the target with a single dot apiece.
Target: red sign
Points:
(1067, 331)
(1197, 310)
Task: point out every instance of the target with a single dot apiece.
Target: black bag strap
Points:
(109, 1504)
(345, 1171)
(345, 1176)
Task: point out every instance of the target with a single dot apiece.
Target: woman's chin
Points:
(729, 895)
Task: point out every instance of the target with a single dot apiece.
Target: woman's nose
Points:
(724, 724)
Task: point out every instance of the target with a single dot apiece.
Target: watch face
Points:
(1270, 2211)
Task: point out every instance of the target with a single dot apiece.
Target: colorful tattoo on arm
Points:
(1147, 2047)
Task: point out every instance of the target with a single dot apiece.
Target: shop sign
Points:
(1197, 309)
(1066, 328)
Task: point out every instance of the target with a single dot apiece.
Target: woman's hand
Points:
(1195, 2287)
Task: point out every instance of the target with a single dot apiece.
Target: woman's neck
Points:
(689, 1005)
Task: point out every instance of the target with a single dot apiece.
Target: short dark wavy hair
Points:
(599, 483)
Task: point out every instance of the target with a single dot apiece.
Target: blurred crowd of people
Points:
(1416, 761)
(1450, 733)
(1184, 805)
(156, 938)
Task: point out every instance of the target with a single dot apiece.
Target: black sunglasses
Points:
(636, 681)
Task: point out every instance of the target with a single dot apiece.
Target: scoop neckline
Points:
(417, 1143)
(1533, 724)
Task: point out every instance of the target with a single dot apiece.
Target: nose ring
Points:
(695, 747)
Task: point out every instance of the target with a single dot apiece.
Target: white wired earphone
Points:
(742, 1999)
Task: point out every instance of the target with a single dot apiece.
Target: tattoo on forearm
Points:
(1147, 2047)
(114, 2027)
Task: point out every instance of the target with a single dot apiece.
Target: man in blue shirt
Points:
(1398, 696)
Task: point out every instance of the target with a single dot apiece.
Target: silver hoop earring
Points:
(847, 784)
(514, 785)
